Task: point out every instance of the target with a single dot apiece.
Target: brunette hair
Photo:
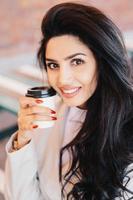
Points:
(103, 149)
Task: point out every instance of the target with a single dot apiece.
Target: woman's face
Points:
(72, 69)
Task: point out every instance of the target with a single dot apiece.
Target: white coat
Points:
(32, 172)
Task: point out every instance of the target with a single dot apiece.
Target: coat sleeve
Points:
(128, 183)
(21, 176)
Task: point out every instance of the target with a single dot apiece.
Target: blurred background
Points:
(20, 22)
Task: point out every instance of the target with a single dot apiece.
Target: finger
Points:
(37, 117)
(37, 110)
(29, 101)
(27, 122)
(24, 123)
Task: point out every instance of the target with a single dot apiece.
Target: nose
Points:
(65, 75)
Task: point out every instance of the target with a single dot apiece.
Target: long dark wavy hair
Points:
(103, 149)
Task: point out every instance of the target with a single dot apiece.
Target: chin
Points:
(72, 103)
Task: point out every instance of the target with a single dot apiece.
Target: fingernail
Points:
(35, 126)
(53, 112)
(54, 118)
(39, 101)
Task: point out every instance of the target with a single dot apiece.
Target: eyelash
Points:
(72, 61)
(49, 65)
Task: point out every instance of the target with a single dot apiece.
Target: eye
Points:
(77, 61)
(51, 65)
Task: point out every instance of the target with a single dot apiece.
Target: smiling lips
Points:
(70, 92)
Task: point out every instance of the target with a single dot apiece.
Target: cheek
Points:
(89, 80)
(85, 79)
(52, 79)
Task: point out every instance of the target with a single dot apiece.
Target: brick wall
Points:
(20, 21)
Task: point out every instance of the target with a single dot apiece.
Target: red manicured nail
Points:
(35, 126)
(54, 118)
(39, 101)
(53, 112)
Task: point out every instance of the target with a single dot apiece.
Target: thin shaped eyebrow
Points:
(67, 58)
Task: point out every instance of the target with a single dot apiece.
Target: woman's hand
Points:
(31, 111)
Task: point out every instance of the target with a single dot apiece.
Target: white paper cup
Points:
(48, 96)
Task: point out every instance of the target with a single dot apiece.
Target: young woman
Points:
(88, 153)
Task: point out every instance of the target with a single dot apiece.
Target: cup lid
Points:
(40, 92)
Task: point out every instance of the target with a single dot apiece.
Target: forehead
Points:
(65, 45)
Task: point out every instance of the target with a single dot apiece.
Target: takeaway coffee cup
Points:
(47, 95)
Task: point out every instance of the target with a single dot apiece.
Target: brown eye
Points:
(51, 65)
(77, 61)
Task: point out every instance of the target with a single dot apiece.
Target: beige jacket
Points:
(32, 172)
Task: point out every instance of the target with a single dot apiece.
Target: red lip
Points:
(67, 95)
(67, 88)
